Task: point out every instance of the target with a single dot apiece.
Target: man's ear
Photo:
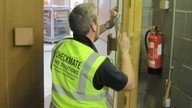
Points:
(94, 27)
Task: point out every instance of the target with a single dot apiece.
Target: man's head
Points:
(83, 18)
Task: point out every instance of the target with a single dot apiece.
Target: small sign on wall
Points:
(23, 36)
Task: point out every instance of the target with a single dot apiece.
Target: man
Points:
(81, 76)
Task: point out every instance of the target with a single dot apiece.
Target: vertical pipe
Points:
(172, 41)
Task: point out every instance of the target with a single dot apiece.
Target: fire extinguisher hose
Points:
(146, 43)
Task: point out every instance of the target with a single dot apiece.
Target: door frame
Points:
(131, 23)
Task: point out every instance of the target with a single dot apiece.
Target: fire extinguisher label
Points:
(159, 49)
(151, 63)
(151, 45)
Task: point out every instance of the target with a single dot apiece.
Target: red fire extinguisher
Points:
(153, 44)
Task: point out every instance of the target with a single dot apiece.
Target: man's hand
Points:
(124, 43)
(125, 60)
(114, 13)
(111, 22)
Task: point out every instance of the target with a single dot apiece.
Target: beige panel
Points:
(24, 64)
(23, 36)
(3, 98)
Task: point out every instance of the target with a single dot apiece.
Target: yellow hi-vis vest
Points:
(73, 68)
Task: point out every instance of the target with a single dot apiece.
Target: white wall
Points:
(47, 74)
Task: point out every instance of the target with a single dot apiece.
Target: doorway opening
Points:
(56, 28)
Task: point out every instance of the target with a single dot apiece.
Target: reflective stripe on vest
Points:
(84, 72)
(77, 95)
(80, 94)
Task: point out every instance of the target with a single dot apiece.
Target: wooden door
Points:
(21, 67)
(3, 92)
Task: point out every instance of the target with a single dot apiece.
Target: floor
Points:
(142, 91)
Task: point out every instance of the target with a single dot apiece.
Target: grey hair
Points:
(81, 18)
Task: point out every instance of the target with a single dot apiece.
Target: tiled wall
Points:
(181, 91)
(181, 94)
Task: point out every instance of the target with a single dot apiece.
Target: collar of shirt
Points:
(84, 40)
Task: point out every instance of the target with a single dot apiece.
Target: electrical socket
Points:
(167, 103)
(164, 4)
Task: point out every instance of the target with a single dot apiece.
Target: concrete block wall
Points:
(181, 91)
